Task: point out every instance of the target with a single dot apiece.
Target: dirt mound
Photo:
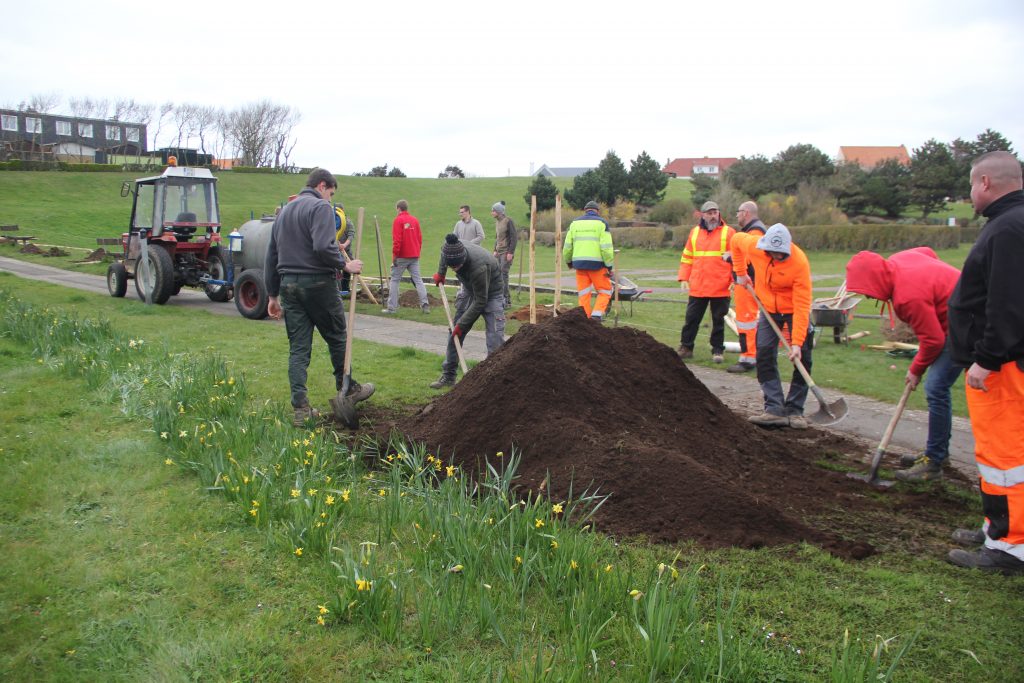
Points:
(55, 251)
(31, 249)
(614, 409)
(410, 299)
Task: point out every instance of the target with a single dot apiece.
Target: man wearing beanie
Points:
(504, 245)
(481, 294)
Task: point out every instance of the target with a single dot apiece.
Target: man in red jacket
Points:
(406, 242)
(918, 285)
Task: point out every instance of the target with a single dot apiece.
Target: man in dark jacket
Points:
(986, 331)
(481, 294)
(300, 270)
(917, 285)
(746, 308)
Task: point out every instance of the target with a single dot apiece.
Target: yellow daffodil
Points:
(607, 568)
(450, 470)
(456, 569)
(168, 461)
(344, 496)
(501, 454)
(519, 560)
(363, 585)
(320, 621)
(296, 493)
(574, 565)
(298, 552)
(329, 500)
(254, 512)
(556, 508)
(382, 493)
(182, 434)
(635, 594)
(538, 523)
(163, 435)
(322, 609)
(554, 545)
(311, 492)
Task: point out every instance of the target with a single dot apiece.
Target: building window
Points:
(85, 130)
(131, 134)
(10, 122)
(113, 132)
(33, 125)
(63, 128)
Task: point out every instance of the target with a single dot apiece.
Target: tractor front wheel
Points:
(161, 275)
(117, 280)
(218, 270)
(251, 296)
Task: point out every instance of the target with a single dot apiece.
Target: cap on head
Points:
(454, 251)
(776, 238)
(591, 205)
(498, 208)
(709, 206)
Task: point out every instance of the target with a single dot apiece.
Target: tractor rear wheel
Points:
(161, 275)
(218, 270)
(251, 296)
(117, 280)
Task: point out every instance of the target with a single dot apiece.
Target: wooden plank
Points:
(108, 240)
(8, 228)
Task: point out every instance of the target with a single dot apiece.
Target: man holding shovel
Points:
(482, 293)
(782, 277)
(917, 285)
(300, 270)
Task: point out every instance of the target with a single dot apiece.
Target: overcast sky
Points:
(497, 87)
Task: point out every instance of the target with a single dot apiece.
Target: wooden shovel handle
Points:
(451, 326)
(799, 366)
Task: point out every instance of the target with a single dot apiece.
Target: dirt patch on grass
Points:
(410, 299)
(613, 410)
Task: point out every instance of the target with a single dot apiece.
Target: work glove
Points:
(438, 279)
(611, 275)
(684, 286)
(727, 257)
(457, 332)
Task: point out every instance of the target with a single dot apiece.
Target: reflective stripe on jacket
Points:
(701, 263)
(588, 244)
(782, 286)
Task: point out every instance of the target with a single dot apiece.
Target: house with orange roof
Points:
(869, 157)
(687, 168)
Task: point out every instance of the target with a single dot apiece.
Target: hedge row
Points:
(268, 169)
(882, 238)
(21, 165)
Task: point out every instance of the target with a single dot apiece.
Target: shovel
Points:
(872, 476)
(345, 409)
(828, 413)
(451, 327)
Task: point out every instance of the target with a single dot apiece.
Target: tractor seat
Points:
(185, 230)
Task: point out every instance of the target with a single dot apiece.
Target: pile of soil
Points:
(410, 299)
(31, 249)
(615, 411)
(55, 251)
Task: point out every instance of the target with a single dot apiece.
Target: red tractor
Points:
(175, 222)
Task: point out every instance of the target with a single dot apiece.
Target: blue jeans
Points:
(940, 378)
(775, 402)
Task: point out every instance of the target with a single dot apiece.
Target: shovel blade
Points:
(344, 411)
(867, 479)
(831, 413)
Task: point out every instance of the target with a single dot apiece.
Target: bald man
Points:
(986, 333)
(746, 308)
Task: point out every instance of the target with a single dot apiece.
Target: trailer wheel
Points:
(251, 296)
(117, 280)
(161, 275)
(218, 270)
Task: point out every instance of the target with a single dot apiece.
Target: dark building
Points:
(33, 136)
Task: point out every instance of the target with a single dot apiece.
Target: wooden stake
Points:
(451, 328)
(558, 252)
(615, 288)
(349, 333)
(533, 245)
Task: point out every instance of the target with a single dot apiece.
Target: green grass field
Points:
(128, 555)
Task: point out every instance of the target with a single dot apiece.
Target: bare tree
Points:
(261, 132)
(185, 120)
(205, 125)
(162, 111)
(88, 108)
(42, 103)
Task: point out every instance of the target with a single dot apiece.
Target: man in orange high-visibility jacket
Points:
(782, 280)
(707, 276)
(986, 333)
(746, 307)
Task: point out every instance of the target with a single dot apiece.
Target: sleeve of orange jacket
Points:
(740, 245)
(802, 299)
(686, 260)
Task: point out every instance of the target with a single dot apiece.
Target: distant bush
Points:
(256, 169)
(675, 211)
(969, 235)
(546, 239)
(680, 235)
(881, 238)
(642, 238)
(813, 204)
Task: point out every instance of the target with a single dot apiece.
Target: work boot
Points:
(797, 422)
(425, 308)
(303, 414)
(387, 311)
(717, 358)
(911, 460)
(740, 368)
(768, 420)
(360, 392)
(968, 537)
(442, 382)
(987, 559)
(684, 352)
(925, 470)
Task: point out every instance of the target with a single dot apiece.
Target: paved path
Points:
(867, 418)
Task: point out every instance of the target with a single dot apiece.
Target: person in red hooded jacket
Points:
(918, 285)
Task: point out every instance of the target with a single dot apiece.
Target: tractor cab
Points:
(180, 201)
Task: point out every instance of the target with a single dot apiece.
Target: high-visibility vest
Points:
(701, 263)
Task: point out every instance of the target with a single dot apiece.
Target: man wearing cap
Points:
(504, 245)
(302, 259)
(746, 307)
(480, 295)
(782, 281)
(588, 249)
(707, 276)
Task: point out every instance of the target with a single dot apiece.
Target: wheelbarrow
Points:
(628, 290)
(834, 312)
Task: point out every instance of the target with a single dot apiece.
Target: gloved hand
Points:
(457, 332)
(727, 257)
(611, 275)
(684, 286)
(438, 279)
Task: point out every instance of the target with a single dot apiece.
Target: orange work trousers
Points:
(997, 418)
(589, 282)
(746, 324)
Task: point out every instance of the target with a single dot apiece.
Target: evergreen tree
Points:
(646, 181)
(545, 192)
(933, 176)
(753, 176)
(587, 187)
(887, 187)
(801, 163)
(704, 186)
(614, 178)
